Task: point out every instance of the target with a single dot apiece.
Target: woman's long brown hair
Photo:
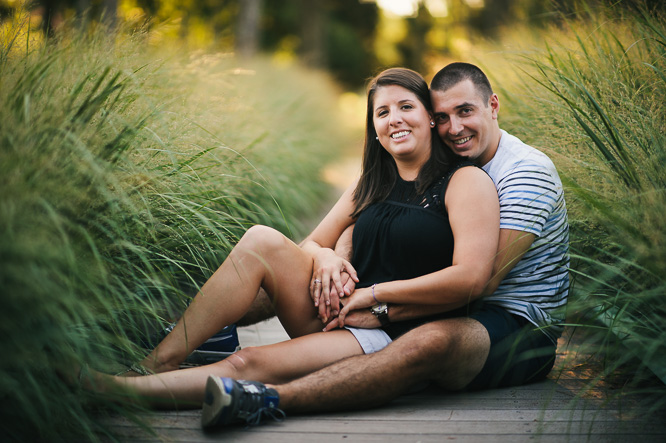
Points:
(379, 171)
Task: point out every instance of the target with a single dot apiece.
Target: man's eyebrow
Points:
(465, 105)
(460, 106)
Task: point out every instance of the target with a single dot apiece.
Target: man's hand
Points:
(361, 299)
(361, 318)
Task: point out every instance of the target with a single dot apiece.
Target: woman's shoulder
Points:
(466, 174)
(463, 167)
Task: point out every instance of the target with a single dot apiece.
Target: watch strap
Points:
(380, 311)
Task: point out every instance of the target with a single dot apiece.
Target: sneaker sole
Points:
(199, 357)
(216, 398)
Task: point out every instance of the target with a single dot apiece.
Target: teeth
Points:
(399, 134)
(462, 140)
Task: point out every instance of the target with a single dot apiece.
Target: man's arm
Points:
(511, 248)
(472, 204)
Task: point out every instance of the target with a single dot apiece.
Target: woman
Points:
(410, 203)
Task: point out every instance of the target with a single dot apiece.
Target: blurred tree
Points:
(7, 10)
(50, 10)
(498, 14)
(337, 35)
(312, 32)
(54, 11)
(110, 12)
(247, 28)
(415, 46)
(350, 34)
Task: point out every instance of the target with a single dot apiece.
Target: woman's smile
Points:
(402, 124)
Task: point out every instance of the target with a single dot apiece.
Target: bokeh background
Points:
(140, 139)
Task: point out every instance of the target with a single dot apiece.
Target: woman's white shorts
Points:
(371, 340)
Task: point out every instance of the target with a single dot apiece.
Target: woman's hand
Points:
(328, 311)
(328, 277)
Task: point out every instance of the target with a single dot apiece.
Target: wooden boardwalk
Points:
(560, 409)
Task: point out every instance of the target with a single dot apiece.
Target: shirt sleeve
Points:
(528, 194)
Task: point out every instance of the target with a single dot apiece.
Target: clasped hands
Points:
(333, 291)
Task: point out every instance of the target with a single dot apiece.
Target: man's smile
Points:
(462, 141)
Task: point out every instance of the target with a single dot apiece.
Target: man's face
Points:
(466, 123)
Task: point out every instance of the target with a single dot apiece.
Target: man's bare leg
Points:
(262, 309)
(448, 352)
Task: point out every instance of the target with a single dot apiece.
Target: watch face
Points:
(379, 309)
(381, 312)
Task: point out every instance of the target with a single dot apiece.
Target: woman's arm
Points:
(473, 207)
(327, 265)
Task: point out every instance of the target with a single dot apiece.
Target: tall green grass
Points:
(594, 98)
(128, 171)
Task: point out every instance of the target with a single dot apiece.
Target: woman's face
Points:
(402, 124)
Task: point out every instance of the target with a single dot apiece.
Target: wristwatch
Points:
(380, 310)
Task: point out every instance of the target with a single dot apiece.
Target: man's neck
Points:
(489, 154)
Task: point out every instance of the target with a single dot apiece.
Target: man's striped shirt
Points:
(532, 200)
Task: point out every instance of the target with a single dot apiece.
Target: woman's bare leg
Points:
(275, 364)
(263, 258)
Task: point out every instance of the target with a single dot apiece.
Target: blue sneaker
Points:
(216, 348)
(229, 401)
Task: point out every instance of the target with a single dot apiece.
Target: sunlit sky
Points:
(405, 8)
(399, 7)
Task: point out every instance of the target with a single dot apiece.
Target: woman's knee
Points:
(242, 361)
(263, 239)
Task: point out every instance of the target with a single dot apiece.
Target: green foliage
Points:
(598, 100)
(127, 173)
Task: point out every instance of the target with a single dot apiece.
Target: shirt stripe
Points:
(532, 200)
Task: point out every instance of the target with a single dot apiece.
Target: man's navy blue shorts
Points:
(519, 352)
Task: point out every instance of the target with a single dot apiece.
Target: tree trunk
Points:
(110, 13)
(247, 32)
(313, 32)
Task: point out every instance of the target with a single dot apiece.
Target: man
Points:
(507, 338)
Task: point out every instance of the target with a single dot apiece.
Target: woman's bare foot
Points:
(88, 379)
(135, 370)
(148, 366)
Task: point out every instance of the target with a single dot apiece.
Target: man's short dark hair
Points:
(454, 73)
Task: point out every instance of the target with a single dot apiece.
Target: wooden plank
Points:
(251, 436)
(493, 421)
(478, 427)
(564, 408)
(442, 430)
(549, 415)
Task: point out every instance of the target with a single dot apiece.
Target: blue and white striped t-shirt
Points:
(532, 200)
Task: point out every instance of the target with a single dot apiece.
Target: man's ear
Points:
(495, 105)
